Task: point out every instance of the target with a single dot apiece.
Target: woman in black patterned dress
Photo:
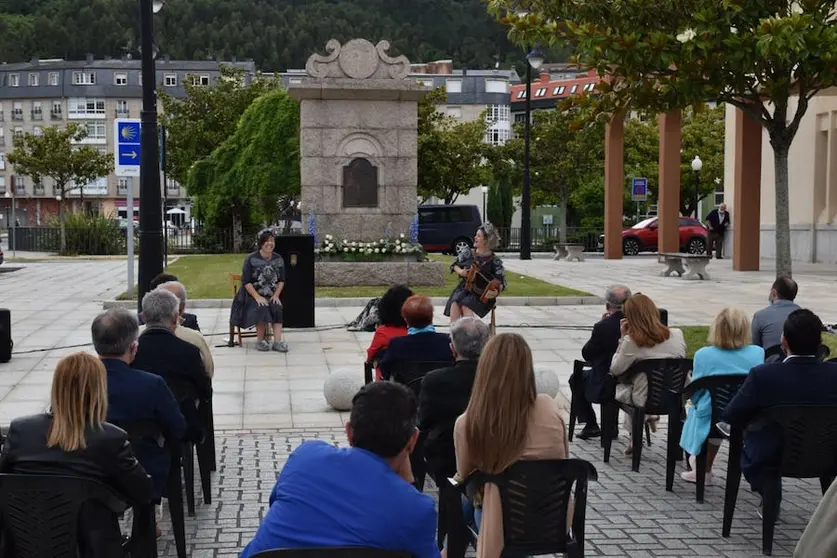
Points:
(465, 303)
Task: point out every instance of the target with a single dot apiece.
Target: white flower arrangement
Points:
(385, 246)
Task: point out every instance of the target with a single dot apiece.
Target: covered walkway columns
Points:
(614, 186)
(746, 206)
(668, 198)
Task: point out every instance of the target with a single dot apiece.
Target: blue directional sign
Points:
(126, 133)
(639, 189)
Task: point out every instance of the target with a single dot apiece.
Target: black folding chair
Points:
(809, 450)
(39, 515)
(721, 388)
(187, 395)
(148, 430)
(666, 379)
(535, 497)
(343, 552)
(411, 374)
(774, 353)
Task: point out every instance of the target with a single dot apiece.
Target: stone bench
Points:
(695, 265)
(569, 252)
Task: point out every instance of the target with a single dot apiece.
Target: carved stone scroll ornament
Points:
(318, 65)
(399, 67)
(357, 59)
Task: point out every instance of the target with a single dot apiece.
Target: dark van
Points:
(448, 228)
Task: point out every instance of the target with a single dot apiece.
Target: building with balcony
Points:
(92, 93)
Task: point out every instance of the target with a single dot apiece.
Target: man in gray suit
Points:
(768, 322)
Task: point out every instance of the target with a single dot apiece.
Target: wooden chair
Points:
(235, 331)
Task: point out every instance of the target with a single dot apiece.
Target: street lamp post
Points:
(150, 210)
(697, 164)
(13, 221)
(534, 61)
(484, 194)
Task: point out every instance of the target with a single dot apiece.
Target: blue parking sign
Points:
(127, 139)
(639, 189)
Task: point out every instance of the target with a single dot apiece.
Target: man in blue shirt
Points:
(357, 496)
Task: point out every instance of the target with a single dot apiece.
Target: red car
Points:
(642, 237)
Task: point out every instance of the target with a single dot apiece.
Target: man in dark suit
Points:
(177, 361)
(717, 221)
(134, 395)
(445, 394)
(187, 320)
(597, 385)
(799, 380)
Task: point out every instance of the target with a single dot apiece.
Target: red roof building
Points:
(547, 92)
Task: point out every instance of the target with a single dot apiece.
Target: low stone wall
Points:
(350, 274)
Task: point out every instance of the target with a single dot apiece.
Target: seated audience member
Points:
(819, 539)
(768, 322)
(644, 337)
(177, 361)
(357, 496)
(421, 343)
(192, 336)
(729, 352)
(73, 439)
(445, 394)
(597, 385)
(391, 325)
(506, 421)
(799, 380)
(189, 321)
(134, 395)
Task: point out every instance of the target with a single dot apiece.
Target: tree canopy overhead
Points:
(277, 34)
(667, 54)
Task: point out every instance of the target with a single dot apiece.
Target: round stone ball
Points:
(546, 380)
(341, 386)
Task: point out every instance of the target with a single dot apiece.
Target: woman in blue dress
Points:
(729, 352)
(463, 302)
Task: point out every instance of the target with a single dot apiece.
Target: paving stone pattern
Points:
(629, 514)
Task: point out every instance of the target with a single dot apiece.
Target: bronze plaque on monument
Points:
(360, 184)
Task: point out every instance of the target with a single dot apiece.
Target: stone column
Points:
(614, 186)
(746, 208)
(668, 199)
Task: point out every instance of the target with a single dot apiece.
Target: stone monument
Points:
(358, 140)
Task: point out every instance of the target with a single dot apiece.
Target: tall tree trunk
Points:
(562, 219)
(783, 249)
(238, 239)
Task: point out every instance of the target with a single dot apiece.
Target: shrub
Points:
(92, 235)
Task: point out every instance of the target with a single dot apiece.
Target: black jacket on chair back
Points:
(420, 347)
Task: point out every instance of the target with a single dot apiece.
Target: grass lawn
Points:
(207, 277)
(696, 338)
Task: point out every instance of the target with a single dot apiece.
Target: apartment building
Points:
(92, 93)
(551, 87)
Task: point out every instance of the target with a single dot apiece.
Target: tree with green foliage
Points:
(200, 123)
(451, 154)
(766, 58)
(501, 206)
(277, 34)
(56, 154)
(243, 180)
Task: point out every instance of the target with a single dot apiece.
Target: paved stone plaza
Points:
(266, 404)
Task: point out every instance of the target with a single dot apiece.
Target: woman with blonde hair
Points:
(505, 421)
(644, 337)
(74, 439)
(729, 352)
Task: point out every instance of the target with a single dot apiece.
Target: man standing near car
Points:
(717, 222)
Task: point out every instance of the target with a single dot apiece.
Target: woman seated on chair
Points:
(465, 302)
(257, 301)
(422, 343)
(391, 323)
(506, 421)
(729, 352)
(74, 439)
(643, 337)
